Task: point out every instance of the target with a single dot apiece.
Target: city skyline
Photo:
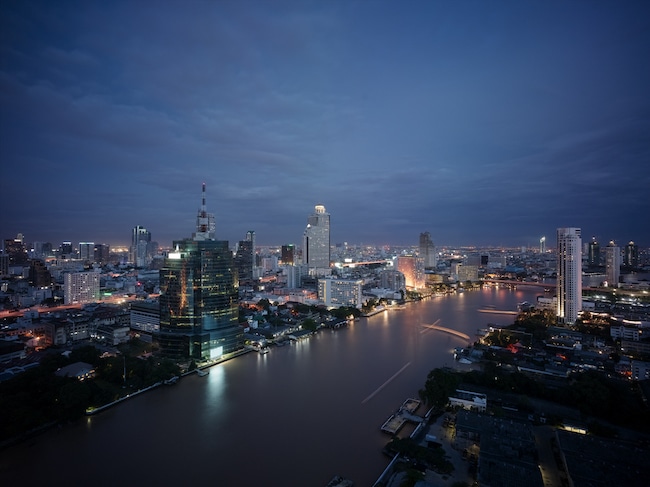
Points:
(482, 124)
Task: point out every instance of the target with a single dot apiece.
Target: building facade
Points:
(80, 287)
(612, 264)
(316, 240)
(569, 274)
(337, 293)
(139, 251)
(199, 305)
(593, 257)
(427, 251)
(631, 256)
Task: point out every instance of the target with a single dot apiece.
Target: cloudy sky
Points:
(480, 122)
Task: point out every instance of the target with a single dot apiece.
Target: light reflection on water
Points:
(301, 404)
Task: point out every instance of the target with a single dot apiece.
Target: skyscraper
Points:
(612, 264)
(287, 254)
(631, 257)
(569, 274)
(593, 258)
(316, 240)
(199, 297)
(140, 238)
(427, 251)
(245, 257)
(87, 251)
(542, 245)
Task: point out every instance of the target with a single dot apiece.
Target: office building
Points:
(393, 280)
(87, 251)
(245, 258)
(410, 266)
(80, 287)
(102, 253)
(39, 275)
(287, 254)
(145, 317)
(65, 250)
(337, 293)
(316, 240)
(631, 256)
(569, 274)
(593, 258)
(427, 251)
(140, 249)
(16, 250)
(542, 245)
(612, 264)
(199, 297)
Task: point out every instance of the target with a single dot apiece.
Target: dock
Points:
(405, 414)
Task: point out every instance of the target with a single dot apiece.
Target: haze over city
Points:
(480, 122)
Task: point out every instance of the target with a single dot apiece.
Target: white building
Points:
(81, 287)
(469, 400)
(340, 292)
(145, 316)
(316, 240)
(569, 274)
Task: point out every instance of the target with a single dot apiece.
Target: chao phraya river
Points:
(296, 416)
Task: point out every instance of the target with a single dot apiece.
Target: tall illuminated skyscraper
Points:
(316, 240)
(199, 297)
(612, 264)
(569, 274)
(631, 257)
(593, 257)
(542, 245)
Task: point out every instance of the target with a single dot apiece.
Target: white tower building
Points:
(316, 240)
(569, 274)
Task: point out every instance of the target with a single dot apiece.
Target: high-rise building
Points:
(245, 260)
(427, 251)
(65, 250)
(80, 287)
(340, 292)
(287, 254)
(593, 258)
(199, 297)
(16, 250)
(39, 275)
(409, 265)
(87, 251)
(612, 264)
(569, 274)
(102, 253)
(631, 256)
(542, 245)
(140, 239)
(316, 240)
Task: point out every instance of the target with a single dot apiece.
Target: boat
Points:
(202, 373)
(263, 350)
(171, 381)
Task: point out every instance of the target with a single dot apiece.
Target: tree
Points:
(440, 384)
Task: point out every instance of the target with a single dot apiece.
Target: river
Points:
(296, 416)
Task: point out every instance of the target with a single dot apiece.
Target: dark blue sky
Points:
(480, 122)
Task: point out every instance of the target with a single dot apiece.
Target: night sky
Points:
(481, 122)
